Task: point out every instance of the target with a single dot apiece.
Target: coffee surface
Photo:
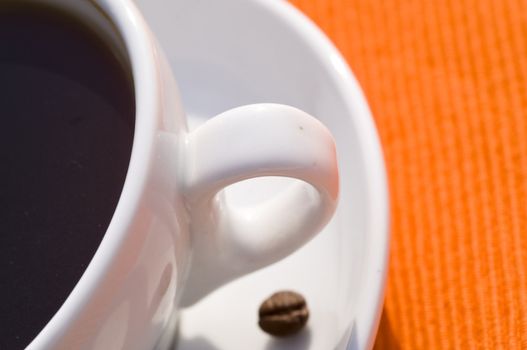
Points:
(66, 129)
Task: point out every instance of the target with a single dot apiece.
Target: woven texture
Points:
(447, 84)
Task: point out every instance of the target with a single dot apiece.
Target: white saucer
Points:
(233, 52)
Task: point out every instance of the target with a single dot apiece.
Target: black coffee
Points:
(66, 128)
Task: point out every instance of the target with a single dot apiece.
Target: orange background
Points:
(447, 84)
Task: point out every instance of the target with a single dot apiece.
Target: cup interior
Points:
(63, 64)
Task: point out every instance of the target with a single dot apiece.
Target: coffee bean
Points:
(283, 313)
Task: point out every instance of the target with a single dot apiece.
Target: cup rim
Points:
(141, 52)
(362, 331)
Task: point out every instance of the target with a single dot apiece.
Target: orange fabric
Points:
(447, 83)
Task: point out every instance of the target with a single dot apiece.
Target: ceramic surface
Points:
(231, 52)
(173, 237)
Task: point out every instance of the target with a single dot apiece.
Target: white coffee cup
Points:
(173, 237)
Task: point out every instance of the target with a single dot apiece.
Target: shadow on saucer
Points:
(298, 342)
(198, 343)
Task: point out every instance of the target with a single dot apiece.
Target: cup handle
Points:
(243, 143)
